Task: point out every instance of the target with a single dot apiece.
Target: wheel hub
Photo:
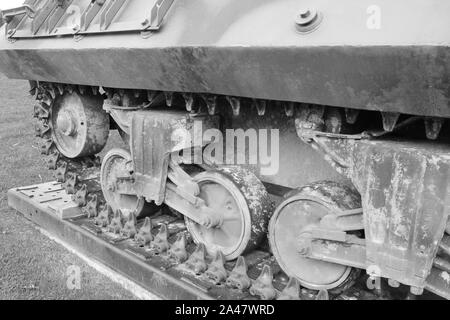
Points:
(290, 234)
(239, 205)
(225, 234)
(66, 123)
(117, 183)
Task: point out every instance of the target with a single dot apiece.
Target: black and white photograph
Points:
(239, 151)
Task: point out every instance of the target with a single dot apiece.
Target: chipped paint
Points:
(405, 200)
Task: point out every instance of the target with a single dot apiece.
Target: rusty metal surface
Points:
(403, 67)
(154, 136)
(405, 198)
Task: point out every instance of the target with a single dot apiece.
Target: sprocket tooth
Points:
(189, 99)
(216, 270)
(145, 236)
(262, 287)
(69, 88)
(91, 208)
(47, 147)
(61, 171)
(82, 90)
(433, 127)
(261, 106)
(289, 109)
(390, 120)
(155, 97)
(235, 104)
(169, 98)
(116, 226)
(80, 197)
(104, 217)
(322, 295)
(52, 160)
(130, 228)
(211, 103)
(197, 261)
(238, 278)
(291, 291)
(42, 130)
(51, 91)
(59, 88)
(160, 243)
(151, 95)
(178, 250)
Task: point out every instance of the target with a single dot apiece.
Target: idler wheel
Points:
(117, 185)
(80, 127)
(300, 210)
(242, 200)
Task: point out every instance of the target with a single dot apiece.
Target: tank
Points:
(313, 131)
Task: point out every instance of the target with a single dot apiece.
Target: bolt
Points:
(306, 17)
(307, 20)
(305, 13)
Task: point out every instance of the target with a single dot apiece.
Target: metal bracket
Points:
(110, 12)
(349, 220)
(14, 17)
(182, 195)
(157, 15)
(41, 16)
(56, 15)
(27, 10)
(346, 249)
(183, 181)
(196, 210)
(90, 13)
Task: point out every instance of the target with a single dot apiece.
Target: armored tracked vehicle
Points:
(351, 98)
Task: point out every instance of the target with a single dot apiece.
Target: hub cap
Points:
(116, 170)
(66, 124)
(223, 196)
(80, 127)
(291, 219)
